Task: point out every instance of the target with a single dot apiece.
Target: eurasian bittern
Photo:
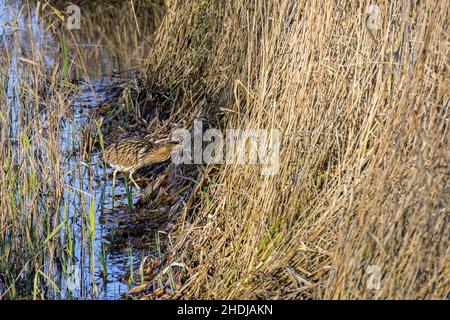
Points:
(131, 154)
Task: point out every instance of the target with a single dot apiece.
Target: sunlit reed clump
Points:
(359, 208)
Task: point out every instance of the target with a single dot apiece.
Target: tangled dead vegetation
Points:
(364, 160)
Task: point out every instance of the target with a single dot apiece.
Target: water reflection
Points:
(102, 52)
(114, 36)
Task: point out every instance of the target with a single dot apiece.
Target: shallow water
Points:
(94, 271)
(88, 186)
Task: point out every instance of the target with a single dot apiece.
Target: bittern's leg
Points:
(114, 179)
(134, 182)
(114, 186)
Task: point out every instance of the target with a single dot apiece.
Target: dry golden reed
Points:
(364, 162)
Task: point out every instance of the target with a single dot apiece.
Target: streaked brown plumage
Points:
(131, 154)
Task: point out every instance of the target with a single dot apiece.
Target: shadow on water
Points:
(103, 52)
